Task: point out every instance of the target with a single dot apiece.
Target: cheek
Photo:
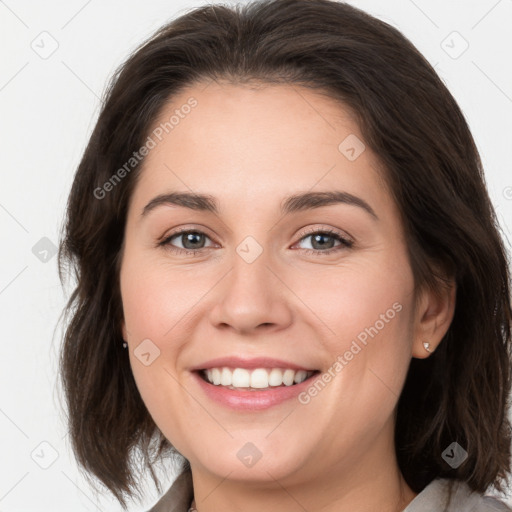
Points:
(153, 305)
(368, 311)
(156, 297)
(353, 301)
(159, 305)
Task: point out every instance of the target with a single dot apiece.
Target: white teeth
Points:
(226, 377)
(259, 378)
(300, 376)
(275, 377)
(241, 378)
(288, 377)
(215, 376)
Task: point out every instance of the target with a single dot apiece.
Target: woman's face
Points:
(253, 281)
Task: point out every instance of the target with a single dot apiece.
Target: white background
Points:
(48, 109)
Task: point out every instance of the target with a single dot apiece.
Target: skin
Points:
(249, 147)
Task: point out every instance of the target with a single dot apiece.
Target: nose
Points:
(252, 297)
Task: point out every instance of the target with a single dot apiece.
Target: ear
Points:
(433, 316)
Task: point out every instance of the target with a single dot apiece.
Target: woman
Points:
(289, 274)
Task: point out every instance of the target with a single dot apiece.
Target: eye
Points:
(322, 242)
(192, 241)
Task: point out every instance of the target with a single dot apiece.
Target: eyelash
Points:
(345, 243)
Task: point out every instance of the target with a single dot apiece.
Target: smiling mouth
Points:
(258, 379)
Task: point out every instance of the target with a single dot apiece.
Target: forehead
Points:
(255, 144)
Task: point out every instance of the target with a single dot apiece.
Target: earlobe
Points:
(426, 346)
(433, 318)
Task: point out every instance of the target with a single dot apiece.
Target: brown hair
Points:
(413, 124)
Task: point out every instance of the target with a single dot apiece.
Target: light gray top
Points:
(433, 498)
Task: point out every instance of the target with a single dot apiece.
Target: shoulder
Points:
(490, 504)
(454, 496)
(475, 501)
(441, 494)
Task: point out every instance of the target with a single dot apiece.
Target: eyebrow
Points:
(294, 203)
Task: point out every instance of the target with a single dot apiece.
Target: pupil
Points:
(189, 237)
(317, 237)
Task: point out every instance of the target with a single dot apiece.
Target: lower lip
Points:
(252, 400)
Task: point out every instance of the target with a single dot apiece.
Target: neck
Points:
(370, 482)
(403, 497)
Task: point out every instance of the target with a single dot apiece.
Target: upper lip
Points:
(256, 362)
